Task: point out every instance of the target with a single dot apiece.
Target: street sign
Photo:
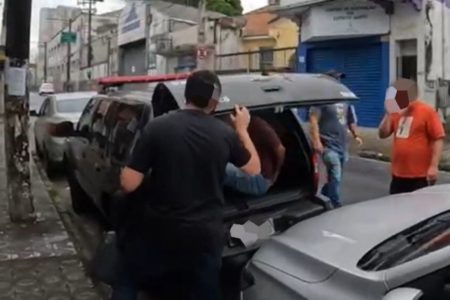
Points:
(68, 37)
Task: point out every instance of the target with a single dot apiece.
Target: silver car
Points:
(393, 248)
(56, 109)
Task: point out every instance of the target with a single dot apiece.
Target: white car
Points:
(393, 248)
(46, 89)
(56, 109)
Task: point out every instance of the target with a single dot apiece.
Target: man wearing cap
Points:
(418, 138)
(175, 240)
(329, 131)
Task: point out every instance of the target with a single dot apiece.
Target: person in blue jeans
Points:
(271, 153)
(329, 126)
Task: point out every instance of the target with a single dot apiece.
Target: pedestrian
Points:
(271, 153)
(417, 143)
(174, 242)
(329, 131)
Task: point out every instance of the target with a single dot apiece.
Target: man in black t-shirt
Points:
(176, 243)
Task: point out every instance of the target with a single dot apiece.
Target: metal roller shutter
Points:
(363, 68)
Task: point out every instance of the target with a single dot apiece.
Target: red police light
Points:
(120, 80)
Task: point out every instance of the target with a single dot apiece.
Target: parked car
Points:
(56, 109)
(393, 248)
(111, 124)
(46, 89)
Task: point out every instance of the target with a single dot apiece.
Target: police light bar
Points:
(120, 80)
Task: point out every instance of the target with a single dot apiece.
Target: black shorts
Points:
(407, 185)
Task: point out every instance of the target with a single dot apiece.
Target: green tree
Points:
(226, 7)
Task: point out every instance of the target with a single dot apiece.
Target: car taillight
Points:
(316, 175)
(60, 130)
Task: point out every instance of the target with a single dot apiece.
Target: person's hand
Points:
(432, 174)
(359, 141)
(241, 119)
(318, 147)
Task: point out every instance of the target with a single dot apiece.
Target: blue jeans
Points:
(166, 275)
(236, 179)
(334, 162)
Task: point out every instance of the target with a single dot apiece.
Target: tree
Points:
(226, 7)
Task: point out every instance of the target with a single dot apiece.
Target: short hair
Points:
(201, 87)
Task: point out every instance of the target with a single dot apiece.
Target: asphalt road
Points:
(366, 179)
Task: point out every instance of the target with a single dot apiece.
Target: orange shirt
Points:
(414, 132)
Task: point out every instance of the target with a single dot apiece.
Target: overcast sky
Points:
(107, 5)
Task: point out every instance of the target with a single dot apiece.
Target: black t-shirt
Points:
(184, 154)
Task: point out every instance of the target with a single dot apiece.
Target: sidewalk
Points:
(38, 261)
(376, 148)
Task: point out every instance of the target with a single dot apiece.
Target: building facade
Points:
(269, 40)
(103, 29)
(375, 42)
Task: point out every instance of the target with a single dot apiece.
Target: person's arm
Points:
(133, 174)
(385, 129)
(314, 117)
(352, 121)
(239, 155)
(436, 133)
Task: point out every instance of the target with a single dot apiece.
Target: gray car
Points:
(56, 109)
(393, 248)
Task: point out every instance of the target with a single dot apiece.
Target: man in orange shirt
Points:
(418, 143)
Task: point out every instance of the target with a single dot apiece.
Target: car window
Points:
(71, 105)
(84, 124)
(424, 238)
(126, 125)
(43, 107)
(99, 128)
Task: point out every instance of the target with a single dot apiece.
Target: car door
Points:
(80, 144)
(95, 154)
(40, 125)
(130, 118)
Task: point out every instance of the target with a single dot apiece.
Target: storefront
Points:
(131, 40)
(350, 37)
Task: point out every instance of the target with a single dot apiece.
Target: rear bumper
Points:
(55, 149)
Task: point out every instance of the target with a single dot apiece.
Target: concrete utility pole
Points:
(20, 198)
(201, 42)
(69, 57)
(90, 32)
(45, 61)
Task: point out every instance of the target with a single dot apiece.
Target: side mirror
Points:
(404, 294)
(33, 113)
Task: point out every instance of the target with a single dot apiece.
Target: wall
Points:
(132, 23)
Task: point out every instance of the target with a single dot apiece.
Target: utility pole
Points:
(17, 155)
(202, 54)
(69, 57)
(90, 32)
(45, 61)
(108, 41)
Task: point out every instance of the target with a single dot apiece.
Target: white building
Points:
(375, 42)
(169, 43)
(51, 20)
(57, 52)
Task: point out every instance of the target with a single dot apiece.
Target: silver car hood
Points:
(340, 238)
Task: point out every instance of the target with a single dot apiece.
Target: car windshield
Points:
(419, 240)
(71, 105)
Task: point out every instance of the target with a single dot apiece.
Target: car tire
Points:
(49, 167)
(36, 148)
(81, 202)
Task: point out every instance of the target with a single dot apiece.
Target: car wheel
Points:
(36, 147)
(49, 167)
(81, 203)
